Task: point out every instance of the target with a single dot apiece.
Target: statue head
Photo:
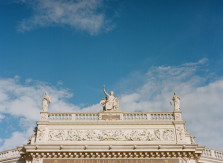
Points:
(111, 93)
(174, 93)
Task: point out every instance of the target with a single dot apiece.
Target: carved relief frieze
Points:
(112, 135)
(180, 134)
(41, 134)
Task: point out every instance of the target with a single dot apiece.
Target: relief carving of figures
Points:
(176, 102)
(157, 134)
(112, 135)
(40, 134)
(45, 103)
(58, 135)
(110, 102)
(168, 135)
(180, 134)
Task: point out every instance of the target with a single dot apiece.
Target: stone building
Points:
(111, 136)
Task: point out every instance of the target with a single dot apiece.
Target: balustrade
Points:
(86, 116)
(72, 116)
(59, 116)
(212, 153)
(162, 116)
(9, 154)
(133, 116)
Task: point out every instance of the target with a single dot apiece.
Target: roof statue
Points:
(45, 103)
(176, 102)
(110, 102)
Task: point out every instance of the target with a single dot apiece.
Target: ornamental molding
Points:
(112, 135)
(113, 154)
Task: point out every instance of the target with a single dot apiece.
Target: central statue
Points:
(110, 102)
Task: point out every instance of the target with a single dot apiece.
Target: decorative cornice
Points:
(115, 154)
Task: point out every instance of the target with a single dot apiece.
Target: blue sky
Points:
(143, 50)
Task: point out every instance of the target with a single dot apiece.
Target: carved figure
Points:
(157, 134)
(110, 102)
(192, 139)
(180, 134)
(40, 134)
(168, 135)
(176, 102)
(112, 135)
(46, 101)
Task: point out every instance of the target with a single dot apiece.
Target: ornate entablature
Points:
(111, 135)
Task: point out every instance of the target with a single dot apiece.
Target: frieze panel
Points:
(180, 134)
(40, 134)
(112, 135)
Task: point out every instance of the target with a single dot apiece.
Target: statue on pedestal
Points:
(46, 101)
(110, 102)
(176, 102)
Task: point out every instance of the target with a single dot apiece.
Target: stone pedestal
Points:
(177, 116)
(111, 115)
(43, 116)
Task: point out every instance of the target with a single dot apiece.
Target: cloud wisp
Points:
(83, 15)
(201, 101)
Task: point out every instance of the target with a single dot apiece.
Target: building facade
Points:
(111, 136)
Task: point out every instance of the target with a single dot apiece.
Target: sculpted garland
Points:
(112, 135)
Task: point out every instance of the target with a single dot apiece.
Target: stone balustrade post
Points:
(73, 116)
(121, 116)
(148, 116)
(43, 116)
(212, 153)
(177, 116)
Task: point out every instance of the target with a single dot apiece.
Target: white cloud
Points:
(84, 15)
(25, 99)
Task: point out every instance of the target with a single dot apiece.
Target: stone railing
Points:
(73, 116)
(153, 116)
(135, 116)
(212, 153)
(149, 116)
(162, 116)
(12, 153)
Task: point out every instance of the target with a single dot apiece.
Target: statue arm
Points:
(105, 91)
